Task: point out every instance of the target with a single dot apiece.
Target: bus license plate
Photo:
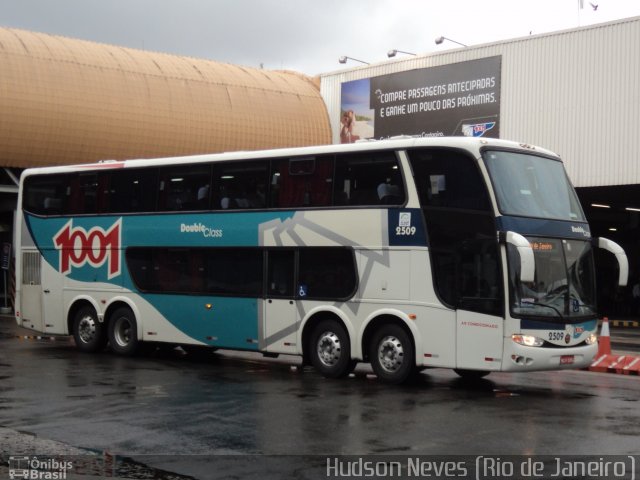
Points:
(567, 360)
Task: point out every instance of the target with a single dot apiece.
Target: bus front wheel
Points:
(123, 332)
(330, 349)
(392, 354)
(88, 333)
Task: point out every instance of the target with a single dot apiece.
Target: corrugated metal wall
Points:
(576, 92)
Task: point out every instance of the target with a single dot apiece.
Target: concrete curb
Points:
(620, 364)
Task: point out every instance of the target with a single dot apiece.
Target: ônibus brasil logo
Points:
(96, 246)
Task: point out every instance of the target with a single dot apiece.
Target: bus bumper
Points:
(519, 358)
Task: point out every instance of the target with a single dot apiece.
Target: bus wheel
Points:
(330, 349)
(123, 332)
(471, 374)
(88, 333)
(392, 354)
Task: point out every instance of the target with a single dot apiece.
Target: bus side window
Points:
(448, 179)
(198, 270)
(234, 271)
(46, 194)
(184, 188)
(368, 179)
(84, 194)
(240, 185)
(280, 272)
(326, 273)
(123, 191)
(301, 182)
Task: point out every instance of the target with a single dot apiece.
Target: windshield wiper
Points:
(526, 302)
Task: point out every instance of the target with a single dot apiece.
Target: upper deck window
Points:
(362, 179)
(371, 178)
(448, 179)
(184, 187)
(47, 194)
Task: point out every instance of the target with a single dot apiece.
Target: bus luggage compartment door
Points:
(31, 291)
(280, 326)
(479, 341)
(41, 295)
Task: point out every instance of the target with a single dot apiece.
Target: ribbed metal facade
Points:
(576, 92)
(67, 101)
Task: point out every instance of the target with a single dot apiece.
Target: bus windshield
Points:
(532, 186)
(564, 286)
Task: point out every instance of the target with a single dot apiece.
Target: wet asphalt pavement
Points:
(162, 407)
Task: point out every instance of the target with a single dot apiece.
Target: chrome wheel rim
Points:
(390, 354)
(329, 349)
(122, 331)
(87, 329)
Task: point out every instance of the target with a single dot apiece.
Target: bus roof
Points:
(466, 143)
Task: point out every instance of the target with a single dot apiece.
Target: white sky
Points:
(303, 35)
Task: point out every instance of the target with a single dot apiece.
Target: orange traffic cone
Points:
(604, 342)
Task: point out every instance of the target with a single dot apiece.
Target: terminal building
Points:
(576, 92)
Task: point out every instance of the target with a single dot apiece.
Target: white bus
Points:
(471, 254)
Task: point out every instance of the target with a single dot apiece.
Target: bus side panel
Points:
(437, 323)
(225, 322)
(180, 319)
(384, 274)
(401, 280)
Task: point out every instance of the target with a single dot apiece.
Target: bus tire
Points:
(330, 349)
(89, 334)
(392, 354)
(123, 332)
(471, 374)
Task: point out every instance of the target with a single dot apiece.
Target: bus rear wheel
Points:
(123, 332)
(392, 354)
(88, 333)
(330, 349)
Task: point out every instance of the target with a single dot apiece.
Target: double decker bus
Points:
(465, 253)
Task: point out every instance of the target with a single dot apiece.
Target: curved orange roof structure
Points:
(67, 101)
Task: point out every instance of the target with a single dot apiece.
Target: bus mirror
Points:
(527, 260)
(623, 262)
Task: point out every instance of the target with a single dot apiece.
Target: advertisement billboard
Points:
(460, 99)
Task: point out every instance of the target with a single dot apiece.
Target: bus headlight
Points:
(527, 340)
(591, 339)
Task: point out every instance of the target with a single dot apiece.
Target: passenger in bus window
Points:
(203, 196)
(388, 193)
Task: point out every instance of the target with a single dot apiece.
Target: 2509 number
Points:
(405, 230)
(556, 335)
